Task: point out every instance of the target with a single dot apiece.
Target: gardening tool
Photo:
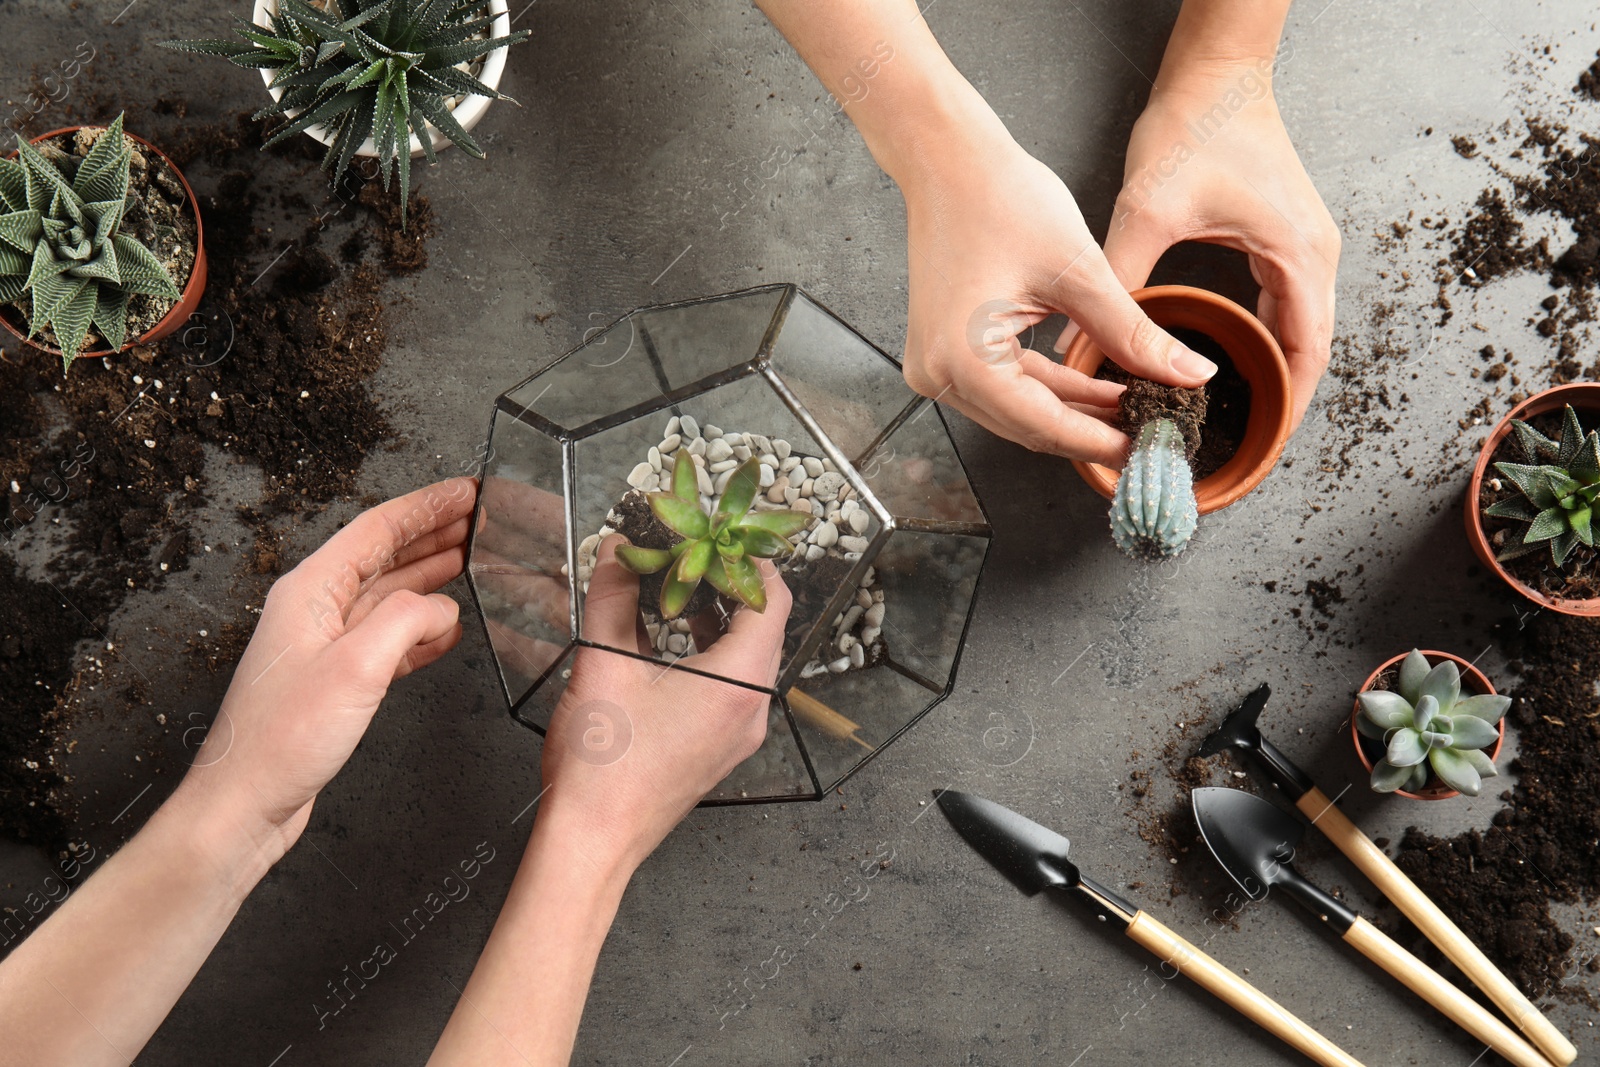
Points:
(1239, 733)
(1035, 858)
(1255, 843)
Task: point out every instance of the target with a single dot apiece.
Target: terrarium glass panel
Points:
(851, 389)
(917, 474)
(776, 770)
(647, 355)
(519, 553)
(768, 379)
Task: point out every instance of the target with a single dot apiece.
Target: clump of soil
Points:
(1492, 243)
(1578, 577)
(159, 216)
(276, 373)
(1211, 419)
(1544, 847)
(1589, 81)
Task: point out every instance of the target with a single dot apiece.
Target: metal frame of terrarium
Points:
(551, 432)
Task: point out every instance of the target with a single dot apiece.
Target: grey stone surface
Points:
(674, 149)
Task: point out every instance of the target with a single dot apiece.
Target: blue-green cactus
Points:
(1153, 511)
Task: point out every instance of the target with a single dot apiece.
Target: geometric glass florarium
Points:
(883, 580)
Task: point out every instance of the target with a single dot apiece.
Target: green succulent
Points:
(719, 547)
(1559, 484)
(1428, 723)
(61, 242)
(368, 68)
(1153, 510)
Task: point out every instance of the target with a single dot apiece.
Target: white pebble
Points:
(828, 484)
(825, 534)
(808, 487)
(858, 656)
(782, 448)
(851, 617)
(874, 614)
(870, 635)
(789, 464)
(847, 641)
(827, 465)
(588, 545)
(840, 665)
(812, 669)
(864, 598)
(673, 425)
(854, 544)
(791, 496)
(712, 432)
(767, 477)
(722, 481)
(670, 443)
(719, 450)
(718, 466)
(759, 441)
(677, 644)
(817, 509)
(688, 427)
(697, 447)
(767, 459)
(640, 475)
(704, 481)
(654, 457)
(149, 442)
(679, 626)
(859, 521)
(743, 452)
(812, 465)
(777, 491)
(815, 552)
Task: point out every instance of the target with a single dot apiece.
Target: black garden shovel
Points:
(1239, 733)
(1255, 843)
(1034, 858)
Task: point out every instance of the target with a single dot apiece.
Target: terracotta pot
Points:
(1472, 680)
(1583, 396)
(1259, 361)
(192, 291)
(469, 112)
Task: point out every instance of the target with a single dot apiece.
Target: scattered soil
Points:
(1212, 419)
(1544, 847)
(159, 217)
(1578, 578)
(276, 374)
(1589, 81)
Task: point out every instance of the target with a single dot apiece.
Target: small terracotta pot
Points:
(192, 290)
(1472, 680)
(1583, 396)
(1255, 355)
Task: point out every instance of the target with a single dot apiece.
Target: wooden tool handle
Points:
(1436, 926)
(1234, 991)
(1426, 983)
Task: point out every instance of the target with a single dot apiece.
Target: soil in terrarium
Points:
(1578, 577)
(115, 449)
(1212, 419)
(159, 216)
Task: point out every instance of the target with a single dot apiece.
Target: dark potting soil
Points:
(1544, 846)
(1578, 577)
(277, 375)
(159, 217)
(1212, 419)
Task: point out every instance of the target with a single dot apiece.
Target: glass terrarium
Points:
(883, 578)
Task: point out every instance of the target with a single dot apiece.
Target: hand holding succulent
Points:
(1428, 723)
(720, 547)
(1559, 484)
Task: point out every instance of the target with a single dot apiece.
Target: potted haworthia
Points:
(1530, 506)
(1195, 450)
(1420, 735)
(388, 79)
(100, 242)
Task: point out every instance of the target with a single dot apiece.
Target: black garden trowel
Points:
(1240, 734)
(1034, 858)
(1255, 843)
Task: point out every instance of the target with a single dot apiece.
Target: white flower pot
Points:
(469, 112)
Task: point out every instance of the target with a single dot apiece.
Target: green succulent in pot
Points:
(62, 245)
(1426, 724)
(719, 547)
(1558, 484)
(379, 69)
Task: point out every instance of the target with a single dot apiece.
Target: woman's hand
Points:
(356, 614)
(1210, 160)
(633, 745)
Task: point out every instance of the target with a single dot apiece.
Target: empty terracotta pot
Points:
(1472, 680)
(1259, 360)
(191, 291)
(1585, 399)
